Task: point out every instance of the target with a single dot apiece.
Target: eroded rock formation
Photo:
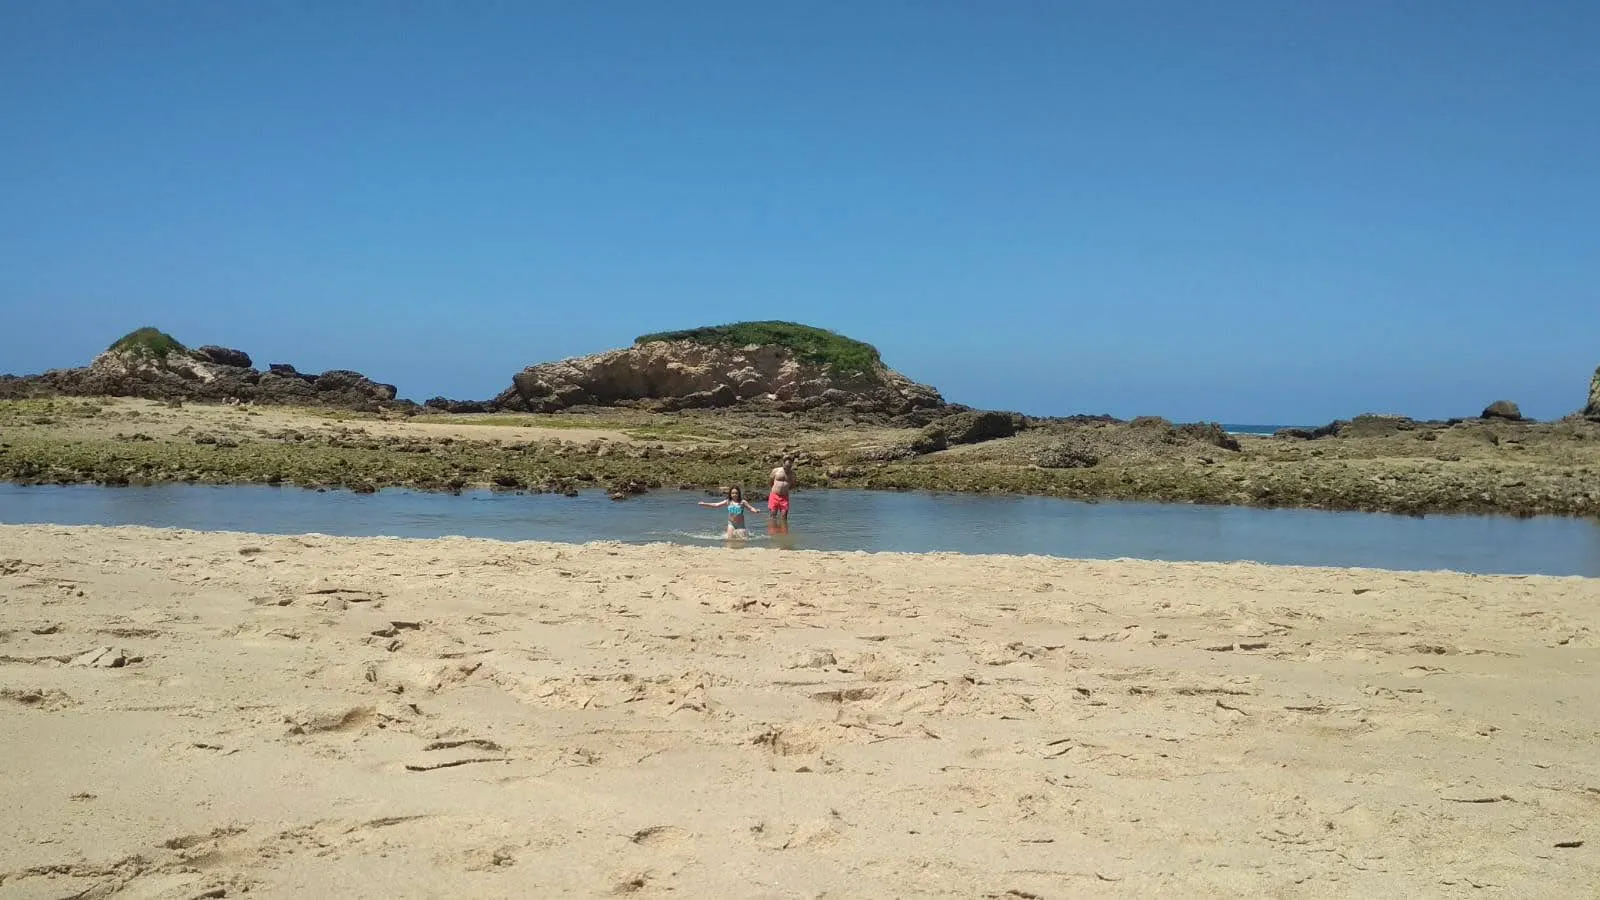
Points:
(152, 365)
(1502, 409)
(673, 375)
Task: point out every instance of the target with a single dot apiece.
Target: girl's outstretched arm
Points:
(717, 505)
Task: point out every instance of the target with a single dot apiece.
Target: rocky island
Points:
(151, 364)
(711, 406)
(773, 365)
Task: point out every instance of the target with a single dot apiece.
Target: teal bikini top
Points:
(735, 509)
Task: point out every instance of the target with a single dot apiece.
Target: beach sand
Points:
(204, 715)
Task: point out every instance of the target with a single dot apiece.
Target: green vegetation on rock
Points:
(813, 345)
(148, 342)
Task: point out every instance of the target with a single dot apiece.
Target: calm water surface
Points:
(855, 520)
(1267, 430)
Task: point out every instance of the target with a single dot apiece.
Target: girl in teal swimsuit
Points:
(736, 506)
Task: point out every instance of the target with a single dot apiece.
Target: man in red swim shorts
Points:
(782, 483)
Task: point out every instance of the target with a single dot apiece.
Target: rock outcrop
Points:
(222, 356)
(685, 374)
(1066, 456)
(152, 365)
(1593, 409)
(977, 426)
(1502, 409)
(1365, 425)
(445, 404)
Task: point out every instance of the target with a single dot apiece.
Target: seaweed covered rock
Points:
(1191, 432)
(1364, 425)
(931, 439)
(974, 426)
(1209, 433)
(1066, 456)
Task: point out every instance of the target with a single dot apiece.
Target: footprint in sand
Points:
(1017, 651)
(336, 595)
(801, 740)
(190, 841)
(413, 677)
(305, 722)
(15, 566)
(631, 883)
(656, 695)
(42, 699)
(811, 659)
(489, 859)
(105, 658)
(660, 836)
(812, 834)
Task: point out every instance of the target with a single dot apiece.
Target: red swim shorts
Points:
(777, 504)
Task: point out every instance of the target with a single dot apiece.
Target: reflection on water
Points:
(855, 520)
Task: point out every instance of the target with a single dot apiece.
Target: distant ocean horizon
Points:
(1259, 429)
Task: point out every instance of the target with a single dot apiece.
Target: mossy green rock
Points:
(810, 344)
(147, 342)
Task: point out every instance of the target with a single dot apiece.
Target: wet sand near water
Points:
(192, 714)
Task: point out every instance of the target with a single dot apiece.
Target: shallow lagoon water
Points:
(854, 520)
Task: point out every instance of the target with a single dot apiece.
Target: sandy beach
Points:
(216, 715)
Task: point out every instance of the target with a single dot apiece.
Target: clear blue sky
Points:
(1241, 211)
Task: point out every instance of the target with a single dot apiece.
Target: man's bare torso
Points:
(782, 480)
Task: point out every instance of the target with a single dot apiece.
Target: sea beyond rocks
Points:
(718, 406)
